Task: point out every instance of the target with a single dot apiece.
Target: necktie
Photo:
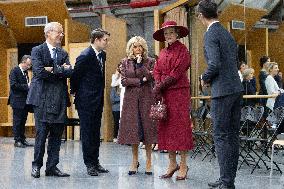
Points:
(54, 54)
(100, 59)
(26, 75)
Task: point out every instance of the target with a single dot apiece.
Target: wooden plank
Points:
(10, 124)
(266, 41)
(178, 3)
(244, 96)
(157, 24)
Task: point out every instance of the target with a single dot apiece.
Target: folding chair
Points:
(276, 142)
(261, 140)
(202, 135)
(249, 128)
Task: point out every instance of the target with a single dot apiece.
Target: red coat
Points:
(175, 133)
(135, 123)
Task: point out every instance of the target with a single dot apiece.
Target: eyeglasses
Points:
(58, 32)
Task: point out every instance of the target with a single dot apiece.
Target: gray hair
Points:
(246, 72)
(51, 26)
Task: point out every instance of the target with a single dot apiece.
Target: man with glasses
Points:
(220, 50)
(19, 87)
(49, 96)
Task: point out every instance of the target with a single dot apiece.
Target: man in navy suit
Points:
(87, 84)
(19, 87)
(220, 50)
(49, 96)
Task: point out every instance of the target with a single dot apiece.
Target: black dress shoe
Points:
(56, 172)
(148, 173)
(35, 172)
(100, 169)
(18, 144)
(24, 142)
(215, 184)
(92, 171)
(222, 186)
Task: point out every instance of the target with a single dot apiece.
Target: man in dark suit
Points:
(226, 91)
(49, 96)
(87, 83)
(19, 87)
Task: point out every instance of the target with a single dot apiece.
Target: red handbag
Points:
(158, 111)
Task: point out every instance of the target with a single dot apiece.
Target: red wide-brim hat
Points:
(159, 34)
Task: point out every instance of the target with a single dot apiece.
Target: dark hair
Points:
(240, 64)
(263, 60)
(25, 58)
(208, 9)
(98, 34)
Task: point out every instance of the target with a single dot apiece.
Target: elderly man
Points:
(49, 96)
(19, 87)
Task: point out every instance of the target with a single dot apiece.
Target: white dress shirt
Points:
(272, 88)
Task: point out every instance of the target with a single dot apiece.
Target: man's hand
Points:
(49, 69)
(203, 84)
(66, 66)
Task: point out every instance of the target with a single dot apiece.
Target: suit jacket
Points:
(221, 55)
(88, 81)
(49, 91)
(18, 89)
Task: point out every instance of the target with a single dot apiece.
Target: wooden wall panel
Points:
(115, 52)
(198, 64)
(276, 45)
(256, 43)
(74, 51)
(78, 32)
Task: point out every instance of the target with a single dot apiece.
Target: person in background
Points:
(173, 88)
(278, 78)
(220, 51)
(115, 101)
(271, 84)
(249, 85)
(88, 85)
(242, 67)
(49, 96)
(135, 123)
(263, 62)
(19, 88)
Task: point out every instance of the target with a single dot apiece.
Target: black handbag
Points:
(158, 111)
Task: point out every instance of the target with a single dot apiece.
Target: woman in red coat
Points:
(172, 85)
(135, 123)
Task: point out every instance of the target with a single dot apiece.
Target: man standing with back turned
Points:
(226, 91)
(49, 96)
(88, 83)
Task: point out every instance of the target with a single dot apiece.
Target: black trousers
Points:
(90, 125)
(19, 121)
(54, 133)
(116, 118)
(226, 114)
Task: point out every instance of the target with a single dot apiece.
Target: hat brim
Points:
(159, 34)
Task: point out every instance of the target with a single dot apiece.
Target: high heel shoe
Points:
(170, 174)
(183, 177)
(134, 172)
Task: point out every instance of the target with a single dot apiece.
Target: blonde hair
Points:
(246, 72)
(270, 66)
(129, 47)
